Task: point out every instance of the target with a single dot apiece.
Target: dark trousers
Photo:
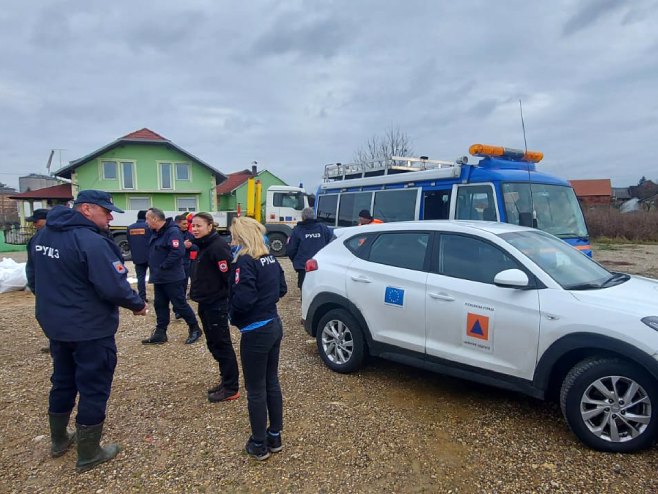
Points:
(140, 271)
(85, 368)
(214, 318)
(259, 352)
(301, 274)
(174, 293)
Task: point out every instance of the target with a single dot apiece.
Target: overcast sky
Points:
(294, 85)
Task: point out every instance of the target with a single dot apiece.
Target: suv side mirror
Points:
(512, 278)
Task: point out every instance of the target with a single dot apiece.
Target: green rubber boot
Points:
(60, 438)
(90, 452)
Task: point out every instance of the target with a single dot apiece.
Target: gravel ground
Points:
(389, 428)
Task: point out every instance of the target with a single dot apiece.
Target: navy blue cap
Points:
(37, 214)
(98, 197)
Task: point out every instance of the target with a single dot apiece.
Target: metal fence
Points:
(18, 235)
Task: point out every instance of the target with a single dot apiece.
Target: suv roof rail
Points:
(396, 164)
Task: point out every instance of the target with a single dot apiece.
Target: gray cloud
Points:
(589, 13)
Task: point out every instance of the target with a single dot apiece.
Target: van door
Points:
(474, 202)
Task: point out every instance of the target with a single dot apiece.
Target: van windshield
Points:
(556, 209)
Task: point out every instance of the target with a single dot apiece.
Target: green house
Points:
(233, 190)
(143, 170)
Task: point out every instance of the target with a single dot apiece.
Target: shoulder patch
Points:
(119, 267)
(175, 243)
(223, 266)
(237, 276)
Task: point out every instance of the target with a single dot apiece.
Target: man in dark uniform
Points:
(306, 239)
(139, 235)
(79, 281)
(38, 220)
(166, 251)
(190, 250)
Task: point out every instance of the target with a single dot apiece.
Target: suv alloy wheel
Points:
(340, 341)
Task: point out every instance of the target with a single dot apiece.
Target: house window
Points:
(186, 203)
(182, 171)
(165, 176)
(139, 203)
(109, 170)
(128, 174)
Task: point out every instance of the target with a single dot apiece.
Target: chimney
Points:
(254, 168)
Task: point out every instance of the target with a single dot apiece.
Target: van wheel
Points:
(611, 405)
(122, 242)
(278, 243)
(340, 341)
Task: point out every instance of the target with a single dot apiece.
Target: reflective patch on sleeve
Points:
(175, 243)
(119, 267)
(223, 267)
(237, 276)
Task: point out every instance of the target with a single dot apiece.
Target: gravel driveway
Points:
(389, 428)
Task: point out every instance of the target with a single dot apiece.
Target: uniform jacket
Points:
(256, 287)
(210, 269)
(79, 279)
(166, 251)
(139, 235)
(189, 252)
(29, 266)
(307, 238)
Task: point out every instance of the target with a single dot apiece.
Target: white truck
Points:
(282, 210)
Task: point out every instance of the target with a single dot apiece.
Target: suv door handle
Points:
(441, 296)
(360, 279)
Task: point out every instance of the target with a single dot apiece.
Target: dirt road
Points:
(389, 428)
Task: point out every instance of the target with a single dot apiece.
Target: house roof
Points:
(596, 187)
(143, 136)
(233, 181)
(61, 191)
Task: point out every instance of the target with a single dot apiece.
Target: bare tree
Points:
(379, 149)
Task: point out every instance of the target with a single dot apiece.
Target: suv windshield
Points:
(556, 209)
(570, 268)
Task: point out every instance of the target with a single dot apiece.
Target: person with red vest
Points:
(365, 218)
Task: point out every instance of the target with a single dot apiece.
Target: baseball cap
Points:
(98, 197)
(37, 214)
(364, 213)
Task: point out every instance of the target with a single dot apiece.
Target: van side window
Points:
(395, 205)
(476, 202)
(402, 250)
(326, 212)
(350, 205)
(436, 204)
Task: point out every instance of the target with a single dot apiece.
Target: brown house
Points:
(592, 193)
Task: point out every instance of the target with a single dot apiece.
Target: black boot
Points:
(159, 336)
(90, 452)
(60, 437)
(195, 334)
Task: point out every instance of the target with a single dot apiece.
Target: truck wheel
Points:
(122, 241)
(278, 242)
(611, 405)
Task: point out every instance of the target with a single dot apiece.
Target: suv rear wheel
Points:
(340, 341)
(611, 405)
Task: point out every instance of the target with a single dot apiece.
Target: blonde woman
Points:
(257, 283)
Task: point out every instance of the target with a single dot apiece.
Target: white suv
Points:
(503, 305)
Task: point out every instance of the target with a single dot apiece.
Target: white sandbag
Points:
(12, 275)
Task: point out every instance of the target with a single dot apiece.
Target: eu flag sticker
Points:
(394, 296)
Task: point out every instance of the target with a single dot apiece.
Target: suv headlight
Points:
(651, 321)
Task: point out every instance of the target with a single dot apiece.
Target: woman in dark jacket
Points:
(257, 283)
(209, 273)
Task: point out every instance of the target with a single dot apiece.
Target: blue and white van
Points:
(503, 186)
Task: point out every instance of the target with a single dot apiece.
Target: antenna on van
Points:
(525, 142)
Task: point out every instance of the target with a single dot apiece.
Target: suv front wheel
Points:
(611, 405)
(340, 341)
